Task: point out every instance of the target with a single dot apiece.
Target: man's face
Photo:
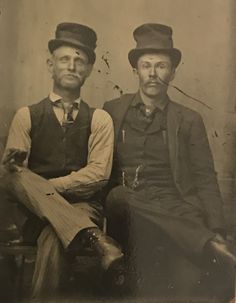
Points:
(69, 67)
(155, 71)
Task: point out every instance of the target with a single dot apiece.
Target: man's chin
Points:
(153, 93)
(71, 86)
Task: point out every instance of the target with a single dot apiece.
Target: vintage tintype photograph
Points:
(117, 148)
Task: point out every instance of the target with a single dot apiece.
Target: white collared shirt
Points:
(100, 149)
(59, 112)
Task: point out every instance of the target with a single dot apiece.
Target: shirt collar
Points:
(161, 105)
(54, 98)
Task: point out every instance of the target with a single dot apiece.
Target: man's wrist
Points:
(57, 184)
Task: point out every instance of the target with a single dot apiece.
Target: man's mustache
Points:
(157, 80)
(154, 81)
(72, 75)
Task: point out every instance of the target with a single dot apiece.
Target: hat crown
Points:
(153, 38)
(153, 35)
(79, 32)
(75, 35)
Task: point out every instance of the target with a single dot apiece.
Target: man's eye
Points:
(79, 62)
(163, 65)
(145, 65)
(64, 59)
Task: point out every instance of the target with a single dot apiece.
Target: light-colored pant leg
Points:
(50, 265)
(41, 198)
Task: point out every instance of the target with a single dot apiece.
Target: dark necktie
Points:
(68, 119)
(147, 114)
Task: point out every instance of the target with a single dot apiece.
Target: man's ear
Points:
(89, 70)
(50, 65)
(135, 71)
(173, 74)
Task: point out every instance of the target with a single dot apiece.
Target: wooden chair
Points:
(19, 253)
(15, 251)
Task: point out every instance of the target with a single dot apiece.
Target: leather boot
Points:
(222, 251)
(112, 259)
(95, 242)
(104, 246)
(222, 255)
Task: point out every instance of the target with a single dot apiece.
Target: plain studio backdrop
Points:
(203, 30)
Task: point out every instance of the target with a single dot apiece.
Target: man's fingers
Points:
(14, 156)
(9, 156)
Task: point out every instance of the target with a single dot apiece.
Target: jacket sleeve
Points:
(204, 174)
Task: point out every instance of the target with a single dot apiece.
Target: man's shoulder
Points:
(101, 118)
(122, 98)
(39, 103)
(118, 101)
(22, 113)
(186, 112)
(25, 109)
(101, 114)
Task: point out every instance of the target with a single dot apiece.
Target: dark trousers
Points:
(182, 223)
(140, 224)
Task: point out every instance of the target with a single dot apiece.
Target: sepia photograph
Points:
(118, 151)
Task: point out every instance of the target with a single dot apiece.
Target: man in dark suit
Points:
(163, 171)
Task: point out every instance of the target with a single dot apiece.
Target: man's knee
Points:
(117, 200)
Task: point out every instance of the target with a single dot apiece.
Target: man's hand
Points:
(14, 157)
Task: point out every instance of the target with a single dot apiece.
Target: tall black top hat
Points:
(154, 38)
(77, 35)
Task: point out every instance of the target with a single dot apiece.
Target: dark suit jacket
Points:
(190, 157)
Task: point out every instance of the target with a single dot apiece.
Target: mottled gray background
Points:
(204, 30)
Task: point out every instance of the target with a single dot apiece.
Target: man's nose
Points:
(152, 72)
(71, 64)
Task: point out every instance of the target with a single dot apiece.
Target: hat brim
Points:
(135, 53)
(56, 43)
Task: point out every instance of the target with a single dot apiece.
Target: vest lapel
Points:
(82, 118)
(49, 110)
(174, 118)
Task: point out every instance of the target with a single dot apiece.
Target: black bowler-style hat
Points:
(153, 38)
(76, 35)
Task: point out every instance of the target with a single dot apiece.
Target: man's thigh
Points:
(32, 226)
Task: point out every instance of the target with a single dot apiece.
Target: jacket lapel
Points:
(174, 118)
(121, 111)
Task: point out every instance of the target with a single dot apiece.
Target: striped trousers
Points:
(62, 221)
